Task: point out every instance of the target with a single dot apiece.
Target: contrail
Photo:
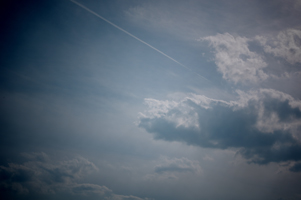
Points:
(104, 19)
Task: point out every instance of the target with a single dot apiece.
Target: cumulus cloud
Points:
(263, 125)
(287, 45)
(40, 176)
(235, 60)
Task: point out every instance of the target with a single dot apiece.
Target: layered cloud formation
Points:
(41, 176)
(263, 125)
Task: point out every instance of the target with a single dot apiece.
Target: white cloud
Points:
(185, 116)
(183, 113)
(262, 94)
(287, 45)
(234, 59)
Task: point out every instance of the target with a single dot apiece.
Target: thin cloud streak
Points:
(92, 12)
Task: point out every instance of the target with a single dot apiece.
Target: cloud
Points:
(178, 165)
(171, 169)
(296, 167)
(87, 188)
(102, 192)
(234, 59)
(263, 125)
(287, 45)
(45, 177)
(49, 177)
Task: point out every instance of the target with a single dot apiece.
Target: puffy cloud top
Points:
(287, 44)
(235, 60)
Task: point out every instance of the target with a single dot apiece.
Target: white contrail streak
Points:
(104, 19)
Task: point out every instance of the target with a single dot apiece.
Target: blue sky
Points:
(89, 112)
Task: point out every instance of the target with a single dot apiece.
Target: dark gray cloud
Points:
(263, 125)
(38, 178)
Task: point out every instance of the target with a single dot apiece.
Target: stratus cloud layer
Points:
(263, 125)
(41, 175)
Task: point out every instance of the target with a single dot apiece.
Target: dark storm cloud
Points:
(37, 178)
(262, 125)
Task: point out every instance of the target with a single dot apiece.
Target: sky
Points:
(150, 100)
